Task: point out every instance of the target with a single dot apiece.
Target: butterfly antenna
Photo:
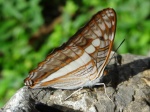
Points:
(116, 50)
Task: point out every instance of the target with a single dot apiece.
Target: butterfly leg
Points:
(104, 90)
(74, 93)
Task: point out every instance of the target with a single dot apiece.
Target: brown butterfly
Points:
(81, 61)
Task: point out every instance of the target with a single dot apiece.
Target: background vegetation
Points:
(30, 29)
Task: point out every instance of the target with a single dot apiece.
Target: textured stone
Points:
(128, 86)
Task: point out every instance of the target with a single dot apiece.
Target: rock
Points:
(127, 85)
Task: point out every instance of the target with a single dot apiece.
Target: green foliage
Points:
(21, 18)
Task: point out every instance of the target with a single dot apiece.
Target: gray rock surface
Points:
(127, 85)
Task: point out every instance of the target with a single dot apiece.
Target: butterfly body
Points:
(81, 61)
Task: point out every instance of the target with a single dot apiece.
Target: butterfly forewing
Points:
(81, 61)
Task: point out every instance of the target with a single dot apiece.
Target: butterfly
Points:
(81, 61)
